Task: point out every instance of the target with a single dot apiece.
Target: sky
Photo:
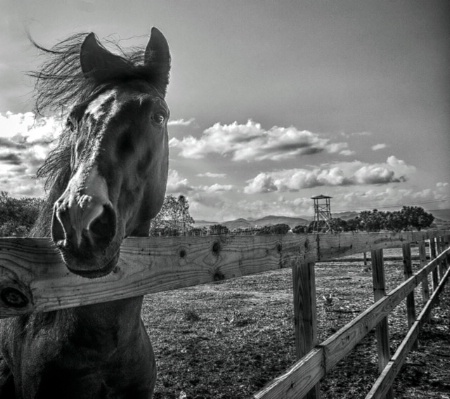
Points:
(272, 102)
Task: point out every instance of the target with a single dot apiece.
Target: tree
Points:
(218, 229)
(416, 217)
(372, 220)
(395, 221)
(17, 215)
(338, 224)
(354, 224)
(173, 217)
(280, 228)
(300, 229)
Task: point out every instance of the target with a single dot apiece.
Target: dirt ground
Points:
(227, 340)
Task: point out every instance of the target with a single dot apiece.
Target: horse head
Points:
(118, 156)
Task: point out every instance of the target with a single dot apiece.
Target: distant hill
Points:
(202, 223)
(443, 214)
(265, 221)
(271, 220)
(345, 215)
(442, 220)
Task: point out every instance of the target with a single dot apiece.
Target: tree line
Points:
(17, 216)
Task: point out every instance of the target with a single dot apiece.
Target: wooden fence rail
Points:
(33, 278)
(309, 370)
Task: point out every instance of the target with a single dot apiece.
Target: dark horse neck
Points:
(103, 327)
(121, 317)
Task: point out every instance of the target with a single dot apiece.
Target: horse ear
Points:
(98, 63)
(157, 57)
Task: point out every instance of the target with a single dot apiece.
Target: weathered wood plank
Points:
(386, 378)
(423, 262)
(33, 276)
(382, 329)
(298, 380)
(343, 341)
(305, 313)
(433, 256)
(410, 301)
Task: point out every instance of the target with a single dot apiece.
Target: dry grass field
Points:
(227, 340)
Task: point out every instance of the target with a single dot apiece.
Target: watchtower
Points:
(322, 213)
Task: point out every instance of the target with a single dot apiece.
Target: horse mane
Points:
(60, 85)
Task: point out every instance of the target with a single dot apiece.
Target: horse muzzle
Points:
(84, 228)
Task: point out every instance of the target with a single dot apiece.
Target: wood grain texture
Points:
(33, 276)
(307, 372)
(386, 378)
(298, 380)
(343, 341)
(433, 256)
(382, 328)
(423, 262)
(407, 271)
(305, 313)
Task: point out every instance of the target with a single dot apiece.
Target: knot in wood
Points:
(13, 298)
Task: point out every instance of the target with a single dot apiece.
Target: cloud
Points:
(250, 142)
(213, 175)
(181, 122)
(215, 188)
(378, 147)
(177, 184)
(339, 174)
(25, 141)
(10, 158)
(348, 135)
(263, 183)
(347, 152)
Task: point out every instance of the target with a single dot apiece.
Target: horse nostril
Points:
(58, 228)
(103, 228)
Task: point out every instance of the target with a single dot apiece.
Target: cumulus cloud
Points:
(347, 135)
(181, 122)
(213, 175)
(378, 147)
(250, 142)
(25, 141)
(340, 174)
(263, 183)
(216, 188)
(177, 184)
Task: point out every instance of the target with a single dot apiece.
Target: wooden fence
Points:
(33, 278)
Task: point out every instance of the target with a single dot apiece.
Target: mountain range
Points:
(442, 220)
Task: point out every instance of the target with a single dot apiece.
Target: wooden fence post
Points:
(433, 256)
(382, 329)
(435, 270)
(441, 247)
(305, 313)
(410, 304)
(446, 245)
(425, 287)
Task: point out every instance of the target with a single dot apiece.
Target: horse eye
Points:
(159, 118)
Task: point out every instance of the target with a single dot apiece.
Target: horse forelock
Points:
(60, 83)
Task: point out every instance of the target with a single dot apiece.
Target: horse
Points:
(106, 179)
